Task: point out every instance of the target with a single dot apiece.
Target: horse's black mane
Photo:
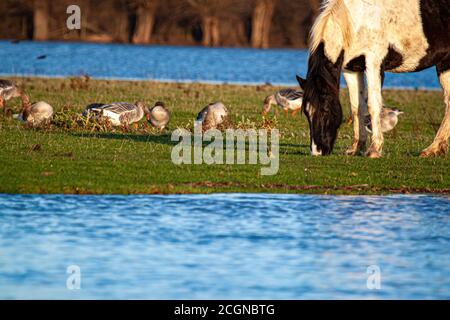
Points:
(322, 94)
(323, 76)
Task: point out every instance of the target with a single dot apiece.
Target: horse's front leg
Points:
(375, 100)
(357, 92)
(440, 143)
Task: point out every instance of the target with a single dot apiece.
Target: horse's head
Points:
(321, 103)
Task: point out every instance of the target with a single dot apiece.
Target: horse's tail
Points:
(336, 12)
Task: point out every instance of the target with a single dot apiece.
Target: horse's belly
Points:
(421, 62)
(408, 67)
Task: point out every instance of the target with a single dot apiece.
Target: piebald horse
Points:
(370, 37)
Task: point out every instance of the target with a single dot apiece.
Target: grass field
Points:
(67, 157)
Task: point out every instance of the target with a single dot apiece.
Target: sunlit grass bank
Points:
(68, 157)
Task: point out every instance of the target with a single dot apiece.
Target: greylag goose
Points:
(212, 115)
(118, 113)
(288, 99)
(88, 110)
(35, 114)
(159, 115)
(388, 118)
(8, 90)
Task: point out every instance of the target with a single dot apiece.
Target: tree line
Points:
(245, 23)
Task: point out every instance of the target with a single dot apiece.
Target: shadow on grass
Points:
(160, 139)
(294, 149)
(166, 139)
(304, 149)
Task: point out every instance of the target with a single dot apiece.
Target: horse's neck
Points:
(322, 69)
(332, 28)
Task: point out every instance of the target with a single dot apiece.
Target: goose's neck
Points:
(25, 101)
(26, 106)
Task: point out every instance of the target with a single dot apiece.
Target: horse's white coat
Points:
(354, 24)
(369, 28)
(367, 14)
(441, 140)
(358, 93)
(314, 151)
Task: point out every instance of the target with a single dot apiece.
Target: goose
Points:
(8, 90)
(118, 113)
(159, 115)
(388, 118)
(88, 110)
(35, 114)
(212, 115)
(288, 99)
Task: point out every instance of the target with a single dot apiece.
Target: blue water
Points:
(115, 61)
(224, 246)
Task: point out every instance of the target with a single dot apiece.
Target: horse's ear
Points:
(301, 82)
(300, 79)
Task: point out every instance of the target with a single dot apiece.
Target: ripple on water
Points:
(224, 246)
(231, 65)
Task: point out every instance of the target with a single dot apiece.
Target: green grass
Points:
(68, 158)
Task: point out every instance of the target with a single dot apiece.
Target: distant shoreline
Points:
(188, 81)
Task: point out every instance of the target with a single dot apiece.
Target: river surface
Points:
(223, 246)
(166, 63)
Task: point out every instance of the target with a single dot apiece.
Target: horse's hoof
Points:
(426, 154)
(356, 149)
(352, 152)
(373, 154)
(433, 152)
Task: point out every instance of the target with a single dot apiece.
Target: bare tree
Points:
(261, 23)
(174, 23)
(217, 13)
(41, 19)
(145, 17)
(315, 6)
(209, 11)
(289, 27)
(121, 32)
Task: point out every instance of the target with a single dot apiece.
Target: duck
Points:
(8, 90)
(159, 115)
(118, 113)
(288, 99)
(35, 114)
(212, 116)
(388, 118)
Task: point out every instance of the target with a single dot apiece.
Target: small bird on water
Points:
(388, 119)
(288, 99)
